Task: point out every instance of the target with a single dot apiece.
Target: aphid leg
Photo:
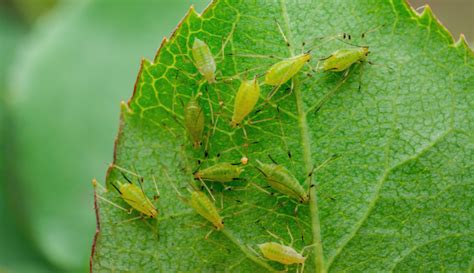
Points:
(207, 189)
(361, 71)
(261, 189)
(209, 234)
(291, 235)
(157, 196)
(130, 220)
(316, 107)
(295, 214)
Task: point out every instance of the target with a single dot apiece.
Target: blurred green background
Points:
(64, 68)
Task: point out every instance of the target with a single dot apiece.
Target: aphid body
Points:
(281, 180)
(204, 60)
(286, 69)
(342, 59)
(136, 198)
(194, 121)
(245, 100)
(280, 253)
(221, 172)
(204, 207)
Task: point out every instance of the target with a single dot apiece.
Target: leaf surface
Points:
(399, 197)
(64, 105)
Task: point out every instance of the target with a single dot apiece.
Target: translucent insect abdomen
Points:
(136, 198)
(204, 60)
(280, 253)
(281, 180)
(342, 59)
(204, 207)
(286, 69)
(221, 172)
(194, 121)
(245, 100)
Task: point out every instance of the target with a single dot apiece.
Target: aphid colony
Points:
(246, 97)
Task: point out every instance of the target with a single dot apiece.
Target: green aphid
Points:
(342, 59)
(204, 207)
(281, 180)
(204, 60)
(245, 100)
(286, 69)
(221, 172)
(194, 121)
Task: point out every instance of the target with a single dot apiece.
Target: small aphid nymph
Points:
(136, 198)
(194, 121)
(221, 172)
(204, 207)
(281, 180)
(286, 69)
(342, 59)
(204, 60)
(280, 253)
(245, 100)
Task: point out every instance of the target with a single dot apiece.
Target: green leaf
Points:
(65, 109)
(399, 198)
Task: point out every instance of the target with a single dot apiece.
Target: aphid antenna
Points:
(260, 56)
(377, 28)
(324, 163)
(282, 33)
(122, 169)
(351, 44)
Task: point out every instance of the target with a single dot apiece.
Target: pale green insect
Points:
(245, 100)
(221, 172)
(204, 60)
(282, 71)
(280, 253)
(281, 180)
(342, 59)
(204, 207)
(194, 121)
(135, 197)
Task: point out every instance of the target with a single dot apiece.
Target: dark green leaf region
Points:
(397, 196)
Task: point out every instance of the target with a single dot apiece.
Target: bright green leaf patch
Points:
(398, 198)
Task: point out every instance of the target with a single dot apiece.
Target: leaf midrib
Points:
(306, 147)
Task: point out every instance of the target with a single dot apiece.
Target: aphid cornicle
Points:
(221, 172)
(245, 100)
(280, 253)
(286, 69)
(204, 207)
(194, 121)
(204, 60)
(281, 180)
(136, 198)
(342, 59)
